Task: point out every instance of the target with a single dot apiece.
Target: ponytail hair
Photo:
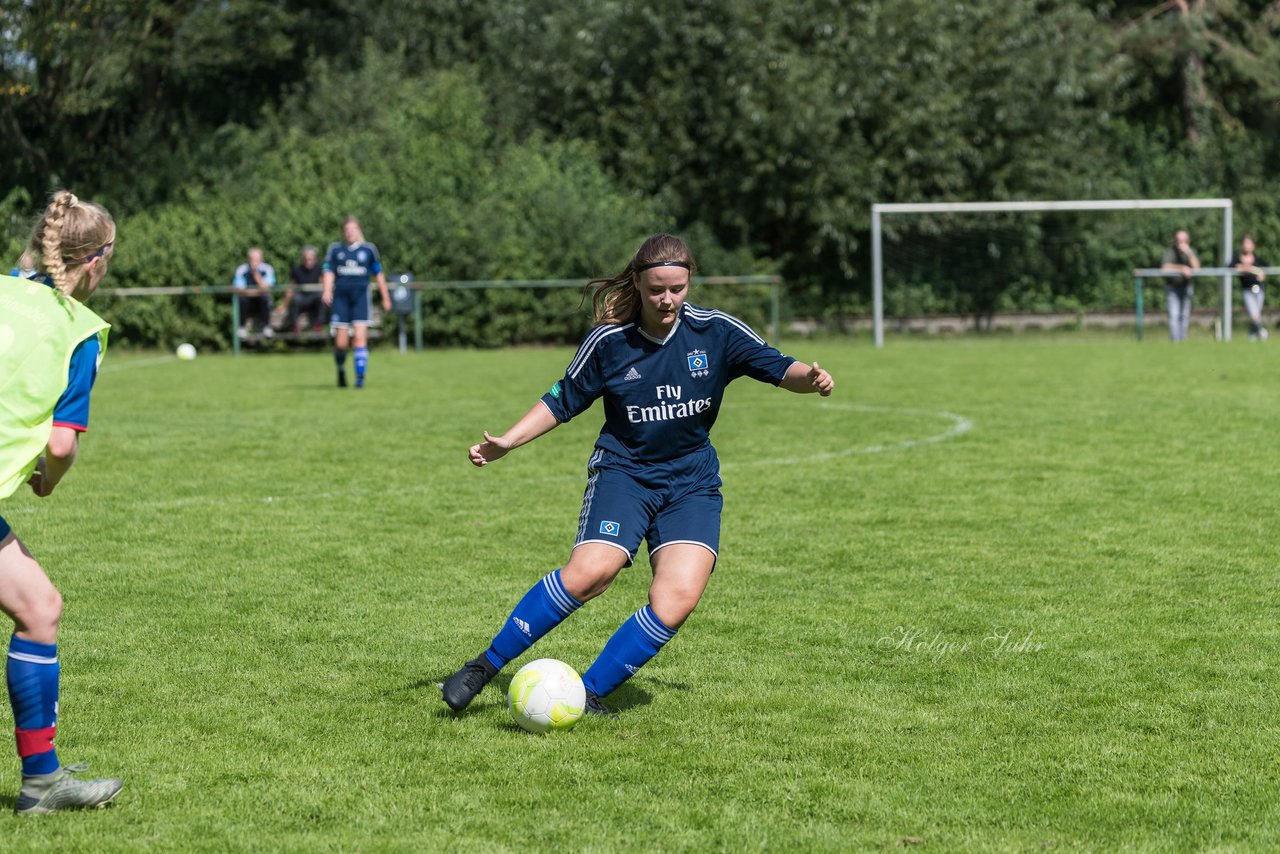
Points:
(68, 235)
(617, 299)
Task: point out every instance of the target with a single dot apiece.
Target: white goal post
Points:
(878, 210)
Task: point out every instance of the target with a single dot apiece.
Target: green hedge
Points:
(438, 191)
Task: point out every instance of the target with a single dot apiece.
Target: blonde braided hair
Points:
(67, 235)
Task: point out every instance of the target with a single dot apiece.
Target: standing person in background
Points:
(661, 365)
(1251, 276)
(1180, 257)
(255, 274)
(308, 272)
(347, 268)
(47, 369)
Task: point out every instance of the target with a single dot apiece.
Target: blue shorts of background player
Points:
(350, 305)
(661, 367)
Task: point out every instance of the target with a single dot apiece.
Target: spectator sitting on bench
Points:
(256, 274)
(300, 302)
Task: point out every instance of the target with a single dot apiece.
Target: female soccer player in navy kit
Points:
(50, 347)
(661, 366)
(347, 268)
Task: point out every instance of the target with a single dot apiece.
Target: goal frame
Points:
(878, 210)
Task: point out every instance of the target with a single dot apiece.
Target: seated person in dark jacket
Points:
(302, 302)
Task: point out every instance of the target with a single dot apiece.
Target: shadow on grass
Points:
(322, 388)
(499, 684)
(628, 695)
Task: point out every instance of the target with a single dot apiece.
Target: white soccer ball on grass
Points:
(546, 695)
(186, 352)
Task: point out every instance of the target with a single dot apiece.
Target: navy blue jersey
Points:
(352, 265)
(661, 398)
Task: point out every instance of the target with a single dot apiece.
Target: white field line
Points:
(111, 366)
(958, 425)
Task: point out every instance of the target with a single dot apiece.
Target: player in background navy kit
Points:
(348, 266)
(661, 366)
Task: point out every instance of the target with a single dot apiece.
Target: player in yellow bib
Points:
(50, 346)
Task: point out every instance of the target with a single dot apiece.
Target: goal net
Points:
(973, 261)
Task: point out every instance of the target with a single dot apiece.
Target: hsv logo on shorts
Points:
(610, 528)
(698, 363)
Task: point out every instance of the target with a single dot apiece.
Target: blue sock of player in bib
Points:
(632, 645)
(543, 608)
(361, 360)
(32, 673)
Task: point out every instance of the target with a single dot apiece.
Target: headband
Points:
(106, 247)
(644, 267)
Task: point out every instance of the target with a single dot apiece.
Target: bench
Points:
(306, 335)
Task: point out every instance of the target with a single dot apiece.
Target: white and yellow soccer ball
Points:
(186, 352)
(546, 695)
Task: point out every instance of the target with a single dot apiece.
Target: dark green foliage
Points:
(489, 139)
(434, 189)
(777, 125)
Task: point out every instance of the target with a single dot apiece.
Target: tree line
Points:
(513, 139)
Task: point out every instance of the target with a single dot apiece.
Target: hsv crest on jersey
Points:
(666, 409)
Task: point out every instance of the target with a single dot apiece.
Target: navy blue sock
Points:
(361, 359)
(543, 608)
(340, 357)
(32, 673)
(632, 645)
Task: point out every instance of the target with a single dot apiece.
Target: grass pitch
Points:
(993, 595)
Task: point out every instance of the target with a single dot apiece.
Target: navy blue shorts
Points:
(4, 528)
(673, 502)
(350, 305)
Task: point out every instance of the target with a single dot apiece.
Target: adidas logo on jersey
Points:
(632, 374)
